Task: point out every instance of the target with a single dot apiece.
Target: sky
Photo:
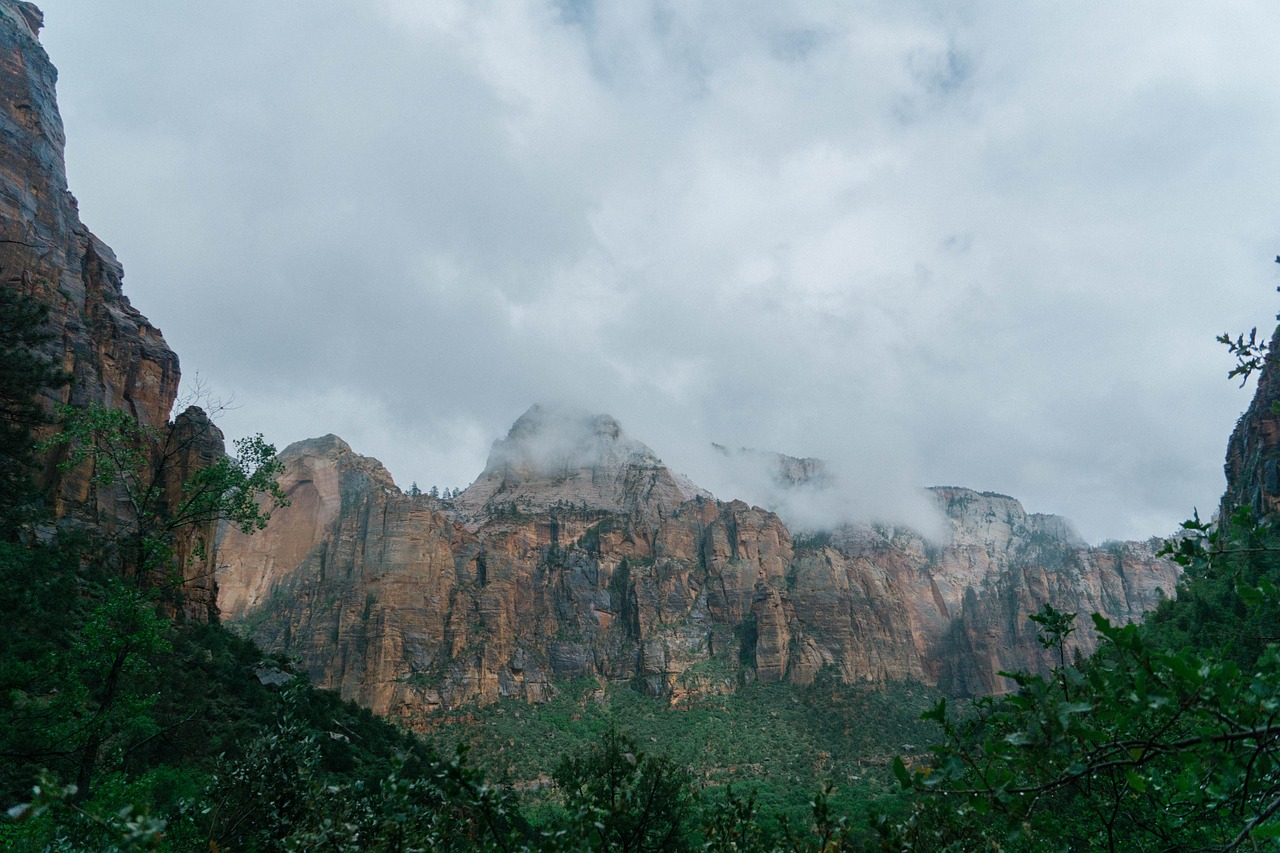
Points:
(985, 244)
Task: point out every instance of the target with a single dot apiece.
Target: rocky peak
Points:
(1253, 453)
(408, 605)
(999, 522)
(325, 445)
(556, 456)
(321, 476)
(332, 453)
(115, 357)
(783, 471)
(26, 16)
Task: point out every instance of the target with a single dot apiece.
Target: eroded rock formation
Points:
(578, 554)
(114, 356)
(1253, 453)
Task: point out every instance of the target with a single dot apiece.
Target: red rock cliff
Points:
(591, 559)
(114, 356)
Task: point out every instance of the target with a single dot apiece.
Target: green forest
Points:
(124, 726)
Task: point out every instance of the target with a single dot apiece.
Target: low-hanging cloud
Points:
(813, 495)
(978, 245)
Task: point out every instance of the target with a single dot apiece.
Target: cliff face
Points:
(114, 356)
(602, 563)
(1253, 453)
(970, 599)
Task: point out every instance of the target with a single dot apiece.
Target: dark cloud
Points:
(987, 247)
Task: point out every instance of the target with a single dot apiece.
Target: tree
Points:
(108, 687)
(176, 486)
(622, 799)
(170, 480)
(25, 371)
(1143, 746)
(1167, 738)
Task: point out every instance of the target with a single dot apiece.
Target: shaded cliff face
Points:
(1253, 452)
(969, 599)
(114, 356)
(541, 574)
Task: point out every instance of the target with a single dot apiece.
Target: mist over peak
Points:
(814, 493)
(787, 472)
(553, 440)
(563, 454)
(556, 454)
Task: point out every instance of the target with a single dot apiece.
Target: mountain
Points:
(115, 357)
(556, 457)
(578, 554)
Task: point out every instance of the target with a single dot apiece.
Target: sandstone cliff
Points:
(1253, 452)
(578, 554)
(114, 356)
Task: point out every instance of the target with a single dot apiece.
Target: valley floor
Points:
(782, 742)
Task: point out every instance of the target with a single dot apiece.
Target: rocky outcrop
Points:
(1253, 452)
(114, 356)
(782, 471)
(557, 458)
(969, 599)
(580, 555)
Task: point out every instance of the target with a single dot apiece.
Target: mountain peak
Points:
(325, 445)
(558, 440)
(557, 455)
(982, 518)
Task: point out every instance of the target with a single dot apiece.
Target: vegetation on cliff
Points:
(121, 728)
(1166, 738)
(24, 372)
(139, 731)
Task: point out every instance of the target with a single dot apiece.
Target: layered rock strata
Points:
(603, 564)
(114, 356)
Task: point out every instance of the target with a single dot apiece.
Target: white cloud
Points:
(986, 245)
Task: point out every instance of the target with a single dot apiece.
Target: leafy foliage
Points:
(1251, 355)
(1167, 738)
(774, 744)
(141, 462)
(623, 799)
(25, 371)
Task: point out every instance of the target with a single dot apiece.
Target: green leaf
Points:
(900, 770)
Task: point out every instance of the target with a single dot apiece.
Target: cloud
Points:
(976, 245)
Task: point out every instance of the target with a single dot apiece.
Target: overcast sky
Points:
(981, 243)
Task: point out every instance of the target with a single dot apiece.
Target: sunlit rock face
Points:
(114, 356)
(577, 553)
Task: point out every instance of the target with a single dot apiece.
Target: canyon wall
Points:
(1253, 452)
(113, 355)
(584, 557)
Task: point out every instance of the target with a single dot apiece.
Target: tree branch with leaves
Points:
(169, 481)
